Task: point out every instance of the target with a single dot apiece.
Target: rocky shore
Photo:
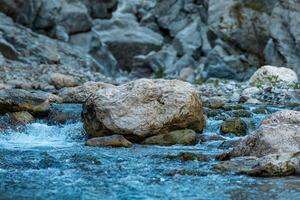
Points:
(145, 73)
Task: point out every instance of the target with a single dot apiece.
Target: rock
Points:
(63, 113)
(81, 93)
(285, 164)
(187, 156)
(241, 113)
(132, 39)
(110, 141)
(101, 8)
(278, 133)
(184, 137)
(143, 108)
(11, 7)
(61, 80)
(7, 49)
(21, 118)
(16, 100)
(234, 125)
(273, 75)
(236, 165)
(215, 102)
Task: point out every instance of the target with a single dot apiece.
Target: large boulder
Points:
(143, 108)
(273, 75)
(279, 133)
(16, 100)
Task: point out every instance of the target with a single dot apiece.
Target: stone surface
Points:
(278, 134)
(109, 141)
(61, 80)
(234, 125)
(273, 75)
(16, 100)
(143, 108)
(21, 118)
(183, 137)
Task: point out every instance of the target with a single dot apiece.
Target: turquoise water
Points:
(45, 161)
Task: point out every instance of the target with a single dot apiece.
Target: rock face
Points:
(273, 75)
(184, 137)
(109, 141)
(16, 100)
(279, 133)
(143, 108)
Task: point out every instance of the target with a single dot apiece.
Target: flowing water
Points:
(43, 161)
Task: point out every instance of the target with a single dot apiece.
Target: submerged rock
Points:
(112, 141)
(143, 108)
(184, 137)
(188, 156)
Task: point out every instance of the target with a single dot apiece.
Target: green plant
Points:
(160, 73)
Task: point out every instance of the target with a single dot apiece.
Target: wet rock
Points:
(234, 125)
(16, 100)
(111, 141)
(188, 156)
(285, 164)
(61, 80)
(143, 108)
(236, 165)
(261, 110)
(20, 118)
(81, 93)
(63, 113)
(187, 173)
(233, 107)
(215, 102)
(184, 137)
(278, 133)
(241, 113)
(273, 75)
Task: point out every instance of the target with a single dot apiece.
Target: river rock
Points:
(184, 137)
(234, 125)
(273, 75)
(111, 141)
(61, 80)
(81, 93)
(143, 108)
(21, 118)
(16, 100)
(285, 164)
(279, 133)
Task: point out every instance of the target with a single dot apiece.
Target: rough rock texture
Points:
(111, 141)
(279, 133)
(61, 80)
(273, 75)
(234, 125)
(16, 100)
(184, 137)
(143, 108)
(21, 118)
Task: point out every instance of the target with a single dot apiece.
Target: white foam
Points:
(41, 135)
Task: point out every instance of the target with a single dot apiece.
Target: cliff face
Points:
(161, 38)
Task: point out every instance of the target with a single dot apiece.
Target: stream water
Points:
(44, 161)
